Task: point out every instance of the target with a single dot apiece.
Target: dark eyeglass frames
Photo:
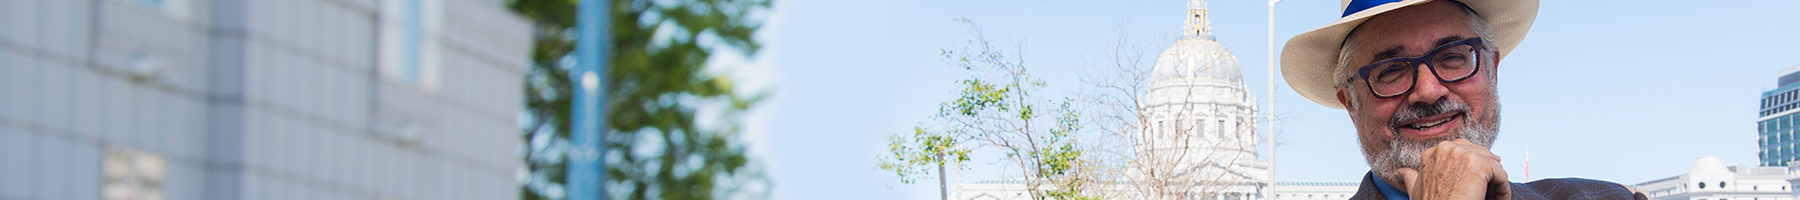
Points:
(1451, 63)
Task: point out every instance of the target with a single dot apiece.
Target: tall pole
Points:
(586, 178)
(943, 184)
(1271, 113)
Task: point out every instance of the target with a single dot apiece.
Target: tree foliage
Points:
(997, 110)
(912, 158)
(658, 92)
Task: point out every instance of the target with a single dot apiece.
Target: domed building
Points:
(1202, 122)
(1197, 95)
(1710, 178)
(1200, 138)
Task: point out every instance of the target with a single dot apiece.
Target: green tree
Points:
(996, 110)
(911, 158)
(657, 87)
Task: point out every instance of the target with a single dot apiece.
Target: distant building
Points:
(1284, 190)
(1315, 190)
(1200, 131)
(1775, 124)
(1711, 179)
(260, 99)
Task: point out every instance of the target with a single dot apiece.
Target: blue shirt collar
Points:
(1388, 190)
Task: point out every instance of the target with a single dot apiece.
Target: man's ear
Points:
(1496, 66)
(1341, 99)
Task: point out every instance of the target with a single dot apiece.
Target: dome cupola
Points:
(1196, 55)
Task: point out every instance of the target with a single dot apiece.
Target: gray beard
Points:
(1405, 153)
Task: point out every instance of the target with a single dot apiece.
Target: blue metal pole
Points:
(587, 177)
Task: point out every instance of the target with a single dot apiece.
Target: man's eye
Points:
(1451, 60)
(1391, 72)
(1455, 57)
(1452, 57)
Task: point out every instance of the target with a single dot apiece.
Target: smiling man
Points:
(1418, 79)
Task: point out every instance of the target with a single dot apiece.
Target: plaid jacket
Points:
(1559, 188)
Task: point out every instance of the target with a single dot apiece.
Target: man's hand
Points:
(1457, 170)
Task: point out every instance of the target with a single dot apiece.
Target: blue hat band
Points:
(1360, 5)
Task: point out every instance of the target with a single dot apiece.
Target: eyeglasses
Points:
(1451, 63)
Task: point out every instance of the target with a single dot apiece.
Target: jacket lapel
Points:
(1368, 191)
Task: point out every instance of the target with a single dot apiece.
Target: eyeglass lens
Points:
(1397, 76)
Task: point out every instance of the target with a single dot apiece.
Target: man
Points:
(1418, 80)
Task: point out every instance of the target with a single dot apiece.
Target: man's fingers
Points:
(1499, 187)
(1408, 177)
(1497, 174)
(1484, 149)
(1464, 142)
(1429, 155)
(1458, 168)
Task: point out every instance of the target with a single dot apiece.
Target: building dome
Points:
(1710, 169)
(1196, 55)
(1194, 58)
(1196, 107)
(1709, 165)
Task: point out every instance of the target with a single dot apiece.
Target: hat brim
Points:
(1308, 59)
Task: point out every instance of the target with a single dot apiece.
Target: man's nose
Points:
(1426, 88)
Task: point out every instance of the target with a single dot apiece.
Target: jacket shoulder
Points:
(1574, 188)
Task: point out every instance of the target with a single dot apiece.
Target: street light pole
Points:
(587, 168)
(1270, 115)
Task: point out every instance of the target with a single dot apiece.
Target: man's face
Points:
(1393, 131)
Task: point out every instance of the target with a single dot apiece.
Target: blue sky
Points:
(1625, 91)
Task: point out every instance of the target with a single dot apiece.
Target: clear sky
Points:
(1625, 91)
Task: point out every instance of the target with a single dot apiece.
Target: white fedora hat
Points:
(1308, 59)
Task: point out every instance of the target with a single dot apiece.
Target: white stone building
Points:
(1315, 190)
(260, 99)
(1201, 128)
(1711, 179)
(1284, 190)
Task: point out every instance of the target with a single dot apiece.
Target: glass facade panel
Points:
(1790, 119)
(408, 32)
(130, 174)
(1775, 134)
(1776, 140)
(1785, 122)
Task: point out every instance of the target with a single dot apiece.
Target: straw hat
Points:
(1308, 59)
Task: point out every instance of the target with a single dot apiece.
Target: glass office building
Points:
(261, 99)
(1777, 120)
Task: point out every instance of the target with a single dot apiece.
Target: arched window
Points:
(1221, 126)
(1200, 126)
(1240, 135)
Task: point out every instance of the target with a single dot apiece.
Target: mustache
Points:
(1405, 152)
(1417, 111)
